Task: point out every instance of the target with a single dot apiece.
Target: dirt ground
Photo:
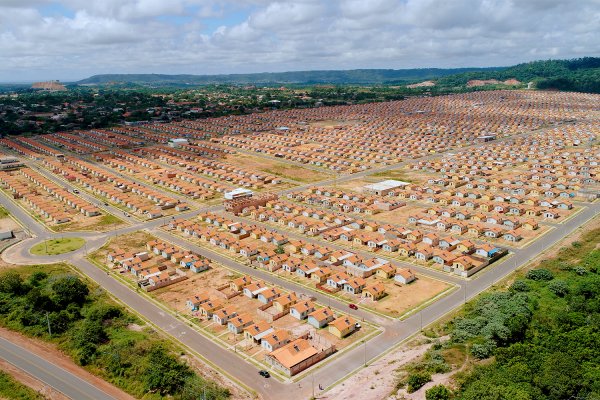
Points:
(282, 169)
(9, 223)
(175, 296)
(380, 377)
(400, 215)
(377, 381)
(135, 241)
(401, 299)
(55, 356)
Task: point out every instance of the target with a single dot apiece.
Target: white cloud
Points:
(39, 40)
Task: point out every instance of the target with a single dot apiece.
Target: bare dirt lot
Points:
(282, 169)
(135, 241)
(401, 298)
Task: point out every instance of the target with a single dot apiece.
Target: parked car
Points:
(264, 373)
(357, 325)
(353, 306)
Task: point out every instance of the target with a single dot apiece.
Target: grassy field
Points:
(100, 223)
(11, 389)
(57, 246)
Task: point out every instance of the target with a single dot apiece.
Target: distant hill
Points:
(357, 76)
(581, 75)
(50, 85)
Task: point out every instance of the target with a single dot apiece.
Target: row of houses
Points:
(162, 264)
(137, 198)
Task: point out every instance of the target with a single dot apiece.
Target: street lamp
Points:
(365, 347)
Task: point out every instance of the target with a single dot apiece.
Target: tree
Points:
(163, 372)
(416, 381)
(540, 274)
(520, 286)
(559, 288)
(11, 282)
(69, 289)
(279, 250)
(86, 339)
(438, 392)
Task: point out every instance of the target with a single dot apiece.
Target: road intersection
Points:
(326, 374)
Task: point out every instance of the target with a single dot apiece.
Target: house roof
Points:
(294, 353)
(342, 323)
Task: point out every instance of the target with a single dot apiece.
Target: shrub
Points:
(416, 381)
(12, 283)
(163, 372)
(69, 289)
(438, 392)
(520, 286)
(483, 350)
(579, 270)
(540, 274)
(559, 288)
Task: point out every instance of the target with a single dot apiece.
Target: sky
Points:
(74, 39)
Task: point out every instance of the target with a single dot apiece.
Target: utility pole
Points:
(365, 347)
(48, 321)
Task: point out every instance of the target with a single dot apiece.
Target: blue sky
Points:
(73, 39)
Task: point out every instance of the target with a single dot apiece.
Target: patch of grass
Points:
(135, 241)
(57, 246)
(3, 212)
(12, 389)
(297, 173)
(109, 219)
(393, 174)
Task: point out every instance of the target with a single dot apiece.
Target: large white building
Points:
(384, 187)
(238, 194)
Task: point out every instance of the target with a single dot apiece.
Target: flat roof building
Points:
(238, 194)
(384, 187)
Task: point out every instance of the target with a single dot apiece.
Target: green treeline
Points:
(538, 340)
(579, 75)
(60, 307)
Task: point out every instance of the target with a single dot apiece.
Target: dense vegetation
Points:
(356, 76)
(108, 100)
(540, 339)
(579, 75)
(53, 304)
(11, 389)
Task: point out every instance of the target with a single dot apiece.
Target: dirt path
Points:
(53, 355)
(378, 380)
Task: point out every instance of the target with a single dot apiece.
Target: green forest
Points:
(579, 75)
(539, 339)
(52, 303)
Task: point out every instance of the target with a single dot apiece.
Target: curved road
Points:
(326, 374)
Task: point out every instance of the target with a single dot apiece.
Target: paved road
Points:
(332, 370)
(363, 253)
(51, 374)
